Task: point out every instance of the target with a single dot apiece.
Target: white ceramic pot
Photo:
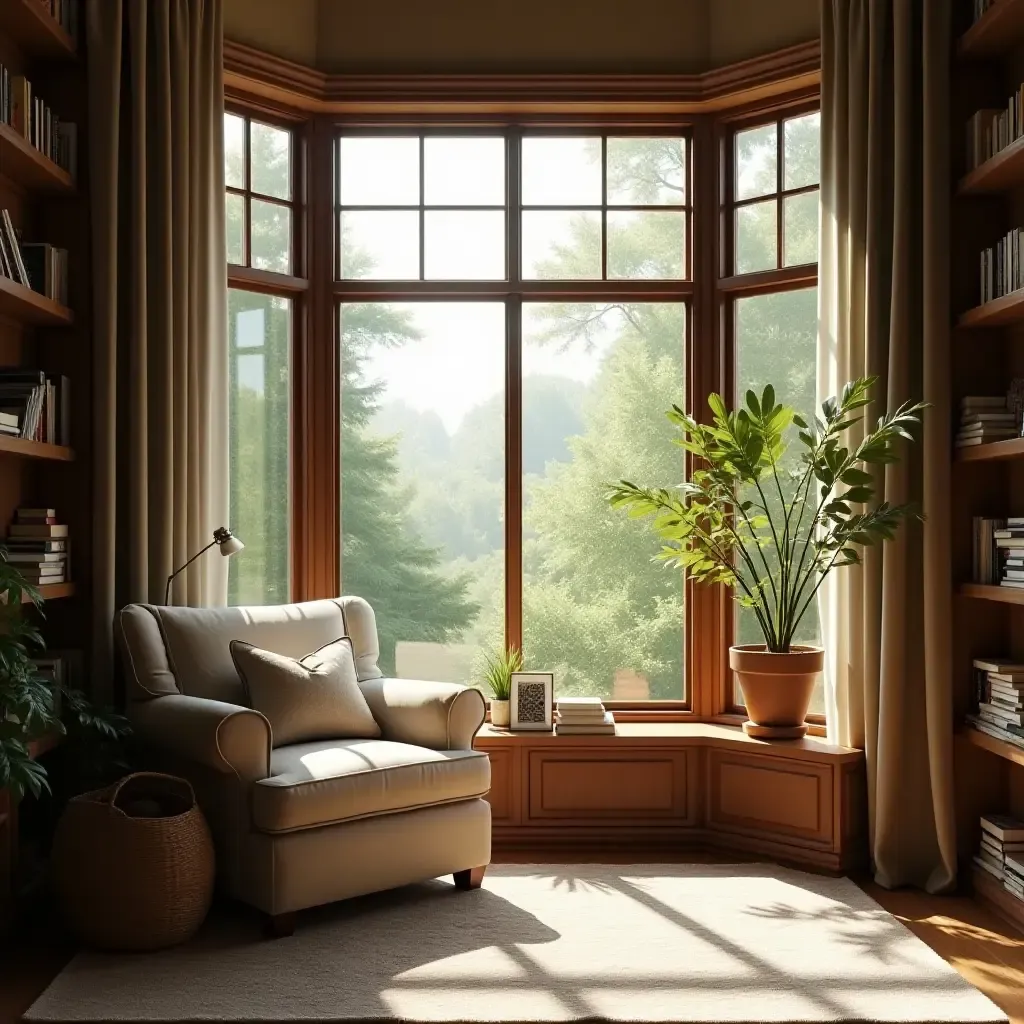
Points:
(499, 713)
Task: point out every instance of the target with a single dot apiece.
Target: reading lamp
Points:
(228, 543)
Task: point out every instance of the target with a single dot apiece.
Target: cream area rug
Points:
(543, 943)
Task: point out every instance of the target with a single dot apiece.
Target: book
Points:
(35, 558)
(601, 728)
(990, 868)
(1004, 827)
(19, 530)
(987, 664)
(996, 862)
(1002, 713)
(1014, 676)
(31, 545)
(47, 513)
(983, 402)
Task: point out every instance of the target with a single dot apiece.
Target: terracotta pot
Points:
(500, 713)
(777, 688)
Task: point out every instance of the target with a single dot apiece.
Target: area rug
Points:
(681, 942)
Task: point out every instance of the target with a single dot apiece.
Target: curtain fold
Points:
(884, 311)
(156, 172)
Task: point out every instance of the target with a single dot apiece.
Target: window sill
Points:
(673, 734)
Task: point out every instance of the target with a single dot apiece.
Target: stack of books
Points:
(37, 545)
(1001, 853)
(35, 406)
(991, 129)
(31, 118)
(582, 716)
(985, 418)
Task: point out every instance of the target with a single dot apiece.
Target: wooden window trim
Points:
(710, 108)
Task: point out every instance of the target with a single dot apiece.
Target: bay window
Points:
(512, 308)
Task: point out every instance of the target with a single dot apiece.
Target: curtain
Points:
(156, 176)
(884, 311)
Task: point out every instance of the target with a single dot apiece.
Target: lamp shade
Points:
(231, 547)
(228, 543)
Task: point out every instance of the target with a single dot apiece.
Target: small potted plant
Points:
(498, 675)
(773, 528)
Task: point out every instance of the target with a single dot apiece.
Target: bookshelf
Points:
(47, 205)
(987, 351)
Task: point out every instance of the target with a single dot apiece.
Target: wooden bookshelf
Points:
(977, 738)
(26, 306)
(35, 449)
(1013, 448)
(996, 32)
(53, 592)
(988, 592)
(1007, 309)
(26, 166)
(1003, 171)
(34, 32)
(991, 891)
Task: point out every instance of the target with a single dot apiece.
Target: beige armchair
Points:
(297, 826)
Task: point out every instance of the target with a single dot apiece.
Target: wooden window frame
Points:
(709, 294)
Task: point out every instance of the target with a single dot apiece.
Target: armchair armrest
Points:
(225, 737)
(442, 716)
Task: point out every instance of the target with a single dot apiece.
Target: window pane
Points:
(234, 217)
(271, 227)
(803, 149)
(756, 237)
(464, 172)
(259, 336)
(561, 172)
(646, 244)
(646, 171)
(597, 611)
(234, 151)
(757, 159)
(465, 245)
(776, 339)
(561, 244)
(800, 229)
(271, 160)
(422, 481)
(379, 172)
(380, 244)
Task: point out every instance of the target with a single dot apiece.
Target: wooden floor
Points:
(987, 951)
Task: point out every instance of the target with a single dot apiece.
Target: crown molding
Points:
(286, 86)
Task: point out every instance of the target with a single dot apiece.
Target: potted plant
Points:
(498, 675)
(773, 528)
(28, 709)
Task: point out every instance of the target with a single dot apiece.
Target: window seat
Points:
(674, 785)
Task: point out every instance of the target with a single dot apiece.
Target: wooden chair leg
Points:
(280, 926)
(471, 878)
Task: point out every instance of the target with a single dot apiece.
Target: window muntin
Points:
(421, 208)
(775, 194)
(604, 207)
(258, 172)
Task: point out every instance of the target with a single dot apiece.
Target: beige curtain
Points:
(156, 174)
(884, 310)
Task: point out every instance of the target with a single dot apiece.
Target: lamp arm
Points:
(182, 568)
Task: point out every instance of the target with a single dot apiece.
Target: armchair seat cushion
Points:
(326, 782)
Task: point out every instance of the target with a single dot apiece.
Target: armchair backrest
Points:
(171, 650)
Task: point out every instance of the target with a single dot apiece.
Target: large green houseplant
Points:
(28, 709)
(772, 528)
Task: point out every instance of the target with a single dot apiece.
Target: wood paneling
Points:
(674, 785)
(503, 788)
(627, 786)
(789, 800)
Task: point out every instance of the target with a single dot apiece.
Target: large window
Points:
(512, 311)
(772, 304)
(259, 172)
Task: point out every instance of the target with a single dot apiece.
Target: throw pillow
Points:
(312, 698)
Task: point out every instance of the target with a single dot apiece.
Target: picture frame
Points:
(531, 702)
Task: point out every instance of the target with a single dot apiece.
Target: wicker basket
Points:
(133, 863)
